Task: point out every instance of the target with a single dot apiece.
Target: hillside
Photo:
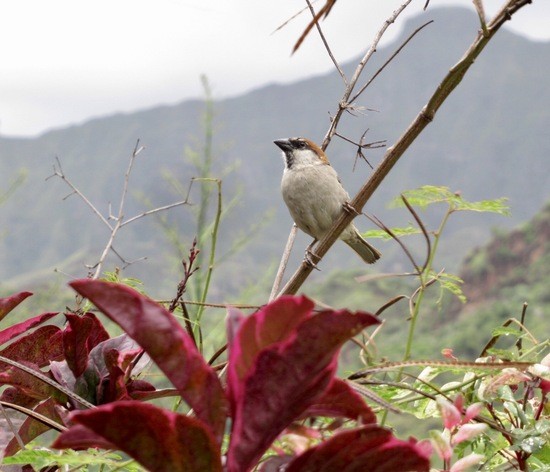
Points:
(513, 268)
(487, 141)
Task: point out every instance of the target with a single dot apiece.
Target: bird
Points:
(314, 195)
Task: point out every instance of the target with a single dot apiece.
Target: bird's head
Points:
(301, 152)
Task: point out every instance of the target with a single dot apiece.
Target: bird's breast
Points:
(314, 197)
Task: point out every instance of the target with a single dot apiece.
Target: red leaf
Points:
(19, 328)
(79, 437)
(157, 331)
(271, 324)
(29, 384)
(31, 428)
(369, 448)
(39, 347)
(342, 401)
(81, 335)
(158, 439)
(273, 379)
(9, 303)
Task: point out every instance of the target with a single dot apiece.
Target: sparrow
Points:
(314, 195)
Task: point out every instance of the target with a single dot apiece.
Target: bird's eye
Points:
(301, 144)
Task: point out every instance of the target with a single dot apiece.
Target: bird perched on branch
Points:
(314, 195)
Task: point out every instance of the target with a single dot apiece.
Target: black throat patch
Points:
(289, 159)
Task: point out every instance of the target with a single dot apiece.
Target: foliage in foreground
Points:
(281, 370)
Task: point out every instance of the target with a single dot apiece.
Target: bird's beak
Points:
(284, 144)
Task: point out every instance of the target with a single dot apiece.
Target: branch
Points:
(327, 47)
(58, 172)
(424, 117)
(345, 101)
(283, 263)
(118, 218)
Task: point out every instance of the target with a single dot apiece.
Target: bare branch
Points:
(392, 155)
(137, 150)
(391, 58)
(153, 211)
(361, 145)
(118, 218)
(424, 232)
(284, 262)
(345, 101)
(296, 15)
(327, 47)
(325, 10)
(58, 172)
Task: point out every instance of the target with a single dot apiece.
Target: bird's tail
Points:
(367, 252)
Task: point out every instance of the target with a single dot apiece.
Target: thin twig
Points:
(217, 354)
(381, 225)
(118, 218)
(420, 224)
(58, 172)
(391, 58)
(394, 153)
(99, 265)
(12, 427)
(345, 101)
(284, 262)
(325, 43)
(153, 211)
(388, 366)
(296, 15)
(39, 375)
(33, 414)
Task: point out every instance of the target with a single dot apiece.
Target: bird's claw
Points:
(348, 208)
(309, 257)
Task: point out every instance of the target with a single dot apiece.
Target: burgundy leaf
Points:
(19, 328)
(18, 397)
(31, 428)
(81, 335)
(370, 447)
(109, 356)
(9, 303)
(157, 331)
(114, 386)
(273, 323)
(139, 389)
(39, 347)
(340, 400)
(273, 380)
(79, 437)
(29, 384)
(158, 439)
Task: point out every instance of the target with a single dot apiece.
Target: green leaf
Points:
(380, 233)
(428, 195)
(452, 284)
(498, 206)
(423, 196)
(41, 458)
(506, 331)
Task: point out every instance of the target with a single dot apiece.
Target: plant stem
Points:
(214, 239)
(424, 278)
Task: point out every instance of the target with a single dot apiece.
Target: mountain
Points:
(487, 141)
(513, 268)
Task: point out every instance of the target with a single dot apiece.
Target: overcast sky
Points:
(65, 61)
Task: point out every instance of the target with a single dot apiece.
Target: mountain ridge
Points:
(474, 145)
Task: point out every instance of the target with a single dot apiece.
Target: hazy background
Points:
(83, 82)
(64, 61)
